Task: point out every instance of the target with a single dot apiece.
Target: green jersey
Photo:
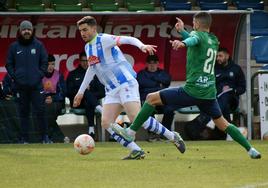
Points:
(200, 79)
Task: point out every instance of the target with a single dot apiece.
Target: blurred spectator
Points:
(92, 95)
(55, 91)
(230, 84)
(6, 131)
(27, 64)
(152, 79)
(54, 88)
(54, 84)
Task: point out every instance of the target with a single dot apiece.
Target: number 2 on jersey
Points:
(210, 61)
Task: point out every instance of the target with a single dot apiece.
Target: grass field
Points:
(205, 164)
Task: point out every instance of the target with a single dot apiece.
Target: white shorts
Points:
(128, 92)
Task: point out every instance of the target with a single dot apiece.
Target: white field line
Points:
(257, 185)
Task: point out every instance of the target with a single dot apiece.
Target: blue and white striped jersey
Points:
(107, 61)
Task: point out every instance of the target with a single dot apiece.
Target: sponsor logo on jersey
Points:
(92, 60)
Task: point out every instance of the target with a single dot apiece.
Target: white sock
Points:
(91, 130)
(133, 146)
(154, 126)
(99, 108)
(130, 145)
(211, 125)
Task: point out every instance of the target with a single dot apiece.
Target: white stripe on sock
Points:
(153, 125)
(130, 145)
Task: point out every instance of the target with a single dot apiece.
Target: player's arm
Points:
(10, 63)
(119, 40)
(87, 79)
(43, 61)
(136, 42)
(190, 41)
(180, 28)
(129, 40)
(184, 34)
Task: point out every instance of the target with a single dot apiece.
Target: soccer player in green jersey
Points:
(199, 89)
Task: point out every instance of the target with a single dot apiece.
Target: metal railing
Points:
(252, 95)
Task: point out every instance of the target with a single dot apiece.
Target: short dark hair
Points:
(82, 54)
(50, 58)
(87, 20)
(152, 58)
(204, 19)
(223, 49)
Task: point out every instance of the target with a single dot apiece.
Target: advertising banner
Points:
(62, 39)
(263, 101)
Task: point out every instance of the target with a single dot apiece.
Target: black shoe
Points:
(178, 142)
(135, 155)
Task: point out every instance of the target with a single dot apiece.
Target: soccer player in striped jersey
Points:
(200, 87)
(108, 63)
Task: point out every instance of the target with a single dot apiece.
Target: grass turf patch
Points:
(204, 164)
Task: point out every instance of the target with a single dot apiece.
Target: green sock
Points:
(237, 136)
(142, 116)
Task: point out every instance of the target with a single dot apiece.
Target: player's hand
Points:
(151, 49)
(176, 44)
(179, 25)
(77, 99)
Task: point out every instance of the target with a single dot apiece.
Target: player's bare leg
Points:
(109, 115)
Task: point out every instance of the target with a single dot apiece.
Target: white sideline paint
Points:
(254, 185)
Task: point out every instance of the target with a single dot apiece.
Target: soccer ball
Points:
(84, 144)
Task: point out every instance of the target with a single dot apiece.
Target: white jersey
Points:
(107, 62)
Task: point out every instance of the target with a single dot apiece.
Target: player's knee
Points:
(149, 98)
(152, 98)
